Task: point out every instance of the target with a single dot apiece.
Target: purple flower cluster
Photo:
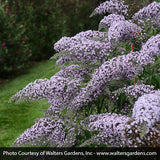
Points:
(147, 108)
(107, 21)
(88, 51)
(57, 90)
(45, 131)
(149, 13)
(122, 31)
(90, 34)
(110, 127)
(74, 71)
(89, 46)
(149, 50)
(30, 91)
(66, 42)
(112, 6)
(135, 90)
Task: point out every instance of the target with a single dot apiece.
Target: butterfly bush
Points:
(69, 94)
(107, 21)
(149, 13)
(112, 6)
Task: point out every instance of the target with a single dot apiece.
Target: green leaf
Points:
(64, 112)
(158, 80)
(87, 134)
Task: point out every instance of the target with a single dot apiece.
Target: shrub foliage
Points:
(14, 48)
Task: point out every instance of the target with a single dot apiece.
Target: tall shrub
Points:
(44, 24)
(93, 99)
(14, 49)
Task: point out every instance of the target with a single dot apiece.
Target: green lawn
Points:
(16, 118)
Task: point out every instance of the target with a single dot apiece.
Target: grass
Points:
(16, 118)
